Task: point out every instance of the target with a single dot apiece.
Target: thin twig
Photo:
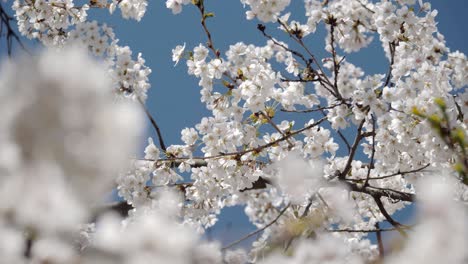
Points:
(262, 28)
(320, 108)
(307, 208)
(348, 146)
(371, 165)
(377, 230)
(210, 44)
(201, 8)
(460, 115)
(258, 230)
(322, 81)
(365, 7)
(155, 125)
(400, 173)
(256, 149)
(276, 128)
(299, 80)
(5, 20)
(336, 65)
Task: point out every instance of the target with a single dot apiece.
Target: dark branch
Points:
(377, 192)
(388, 217)
(357, 140)
(379, 240)
(371, 165)
(5, 23)
(391, 46)
(155, 125)
(400, 173)
(320, 108)
(377, 230)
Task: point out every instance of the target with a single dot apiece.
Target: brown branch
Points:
(240, 153)
(357, 140)
(320, 108)
(299, 80)
(325, 82)
(388, 217)
(336, 65)
(256, 231)
(276, 127)
(5, 21)
(371, 165)
(400, 173)
(123, 207)
(348, 146)
(460, 115)
(379, 240)
(380, 192)
(201, 7)
(365, 7)
(322, 80)
(377, 230)
(260, 183)
(385, 190)
(155, 125)
(307, 208)
(391, 46)
(262, 28)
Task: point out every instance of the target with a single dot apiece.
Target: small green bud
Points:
(417, 112)
(441, 103)
(207, 15)
(458, 135)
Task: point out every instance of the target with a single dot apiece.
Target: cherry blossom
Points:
(318, 152)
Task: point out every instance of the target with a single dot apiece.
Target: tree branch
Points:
(377, 193)
(155, 125)
(387, 216)
(379, 240)
(357, 140)
(392, 61)
(256, 231)
(371, 165)
(5, 20)
(243, 152)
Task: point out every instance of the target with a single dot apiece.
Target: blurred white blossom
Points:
(298, 178)
(63, 135)
(441, 235)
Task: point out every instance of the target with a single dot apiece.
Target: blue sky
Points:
(174, 96)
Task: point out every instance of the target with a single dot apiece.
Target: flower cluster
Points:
(61, 23)
(266, 11)
(48, 21)
(134, 9)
